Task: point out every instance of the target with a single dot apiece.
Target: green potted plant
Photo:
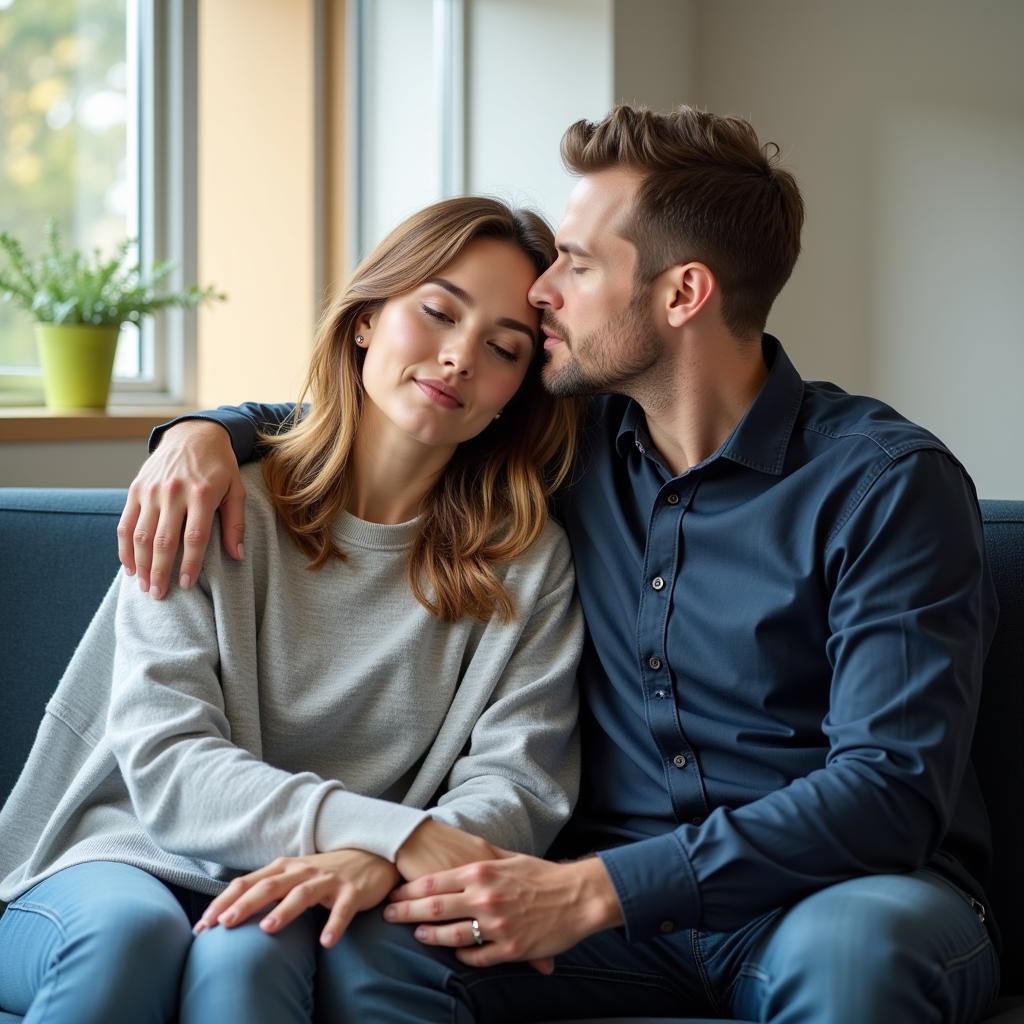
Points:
(79, 303)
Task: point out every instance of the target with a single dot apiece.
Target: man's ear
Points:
(688, 289)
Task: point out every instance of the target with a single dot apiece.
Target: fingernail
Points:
(199, 928)
(185, 581)
(129, 572)
(421, 933)
(327, 939)
(390, 913)
(154, 591)
(241, 551)
(143, 585)
(228, 917)
(268, 923)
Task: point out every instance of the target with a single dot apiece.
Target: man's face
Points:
(599, 332)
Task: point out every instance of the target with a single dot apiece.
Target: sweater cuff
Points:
(348, 821)
(656, 886)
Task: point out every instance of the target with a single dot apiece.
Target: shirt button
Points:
(673, 499)
(667, 926)
(679, 760)
(657, 583)
(655, 662)
(660, 694)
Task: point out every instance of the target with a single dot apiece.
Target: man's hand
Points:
(345, 881)
(527, 908)
(434, 846)
(180, 486)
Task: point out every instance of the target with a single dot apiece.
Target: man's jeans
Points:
(872, 950)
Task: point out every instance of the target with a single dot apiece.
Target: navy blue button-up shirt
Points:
(784, 654)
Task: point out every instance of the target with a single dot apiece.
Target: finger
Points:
(142, 538)
(165, 544)
(455, 935)
(232, 519)
(339, 919)
(487, 955)
(449, 907)
(260, 895)
(234, 891)
(545, 964)
(299, 898)
(453, 880)
(198, 524)
(125, 528)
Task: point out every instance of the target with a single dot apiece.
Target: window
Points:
(96, 134)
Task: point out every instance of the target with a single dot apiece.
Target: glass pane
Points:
(66, 124)
(401, 135)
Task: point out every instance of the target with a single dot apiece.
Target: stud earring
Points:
(360, 340)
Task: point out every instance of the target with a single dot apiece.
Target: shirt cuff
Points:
(348, 821)
(656, 886)
(238, 426)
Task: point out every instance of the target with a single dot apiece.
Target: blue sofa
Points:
(57, 557)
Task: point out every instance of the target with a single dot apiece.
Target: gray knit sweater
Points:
(275, 711)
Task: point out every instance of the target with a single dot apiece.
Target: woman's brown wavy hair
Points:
(491, 502)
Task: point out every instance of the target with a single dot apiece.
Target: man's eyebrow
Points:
(464, 297)
(572, 249)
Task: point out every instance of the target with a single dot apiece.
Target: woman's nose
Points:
(459, 356)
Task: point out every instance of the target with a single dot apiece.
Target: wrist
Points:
(597, 896)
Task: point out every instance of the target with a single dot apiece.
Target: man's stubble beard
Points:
(615, 356)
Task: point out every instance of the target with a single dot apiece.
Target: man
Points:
(779, 820)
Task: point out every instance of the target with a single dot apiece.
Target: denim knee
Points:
(243, 973)
(904, 946)
(98, 942)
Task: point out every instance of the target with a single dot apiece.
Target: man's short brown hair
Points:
(711, 193)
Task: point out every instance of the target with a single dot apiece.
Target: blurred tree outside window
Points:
(68, 140)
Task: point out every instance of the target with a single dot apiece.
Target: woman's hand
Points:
(435, 846)
(344, 881)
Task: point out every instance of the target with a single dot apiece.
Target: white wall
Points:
(535, 66)
(904, 123)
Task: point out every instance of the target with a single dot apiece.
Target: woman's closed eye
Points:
(508, 354)
(436, 314)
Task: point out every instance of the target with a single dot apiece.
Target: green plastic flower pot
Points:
(77, 361)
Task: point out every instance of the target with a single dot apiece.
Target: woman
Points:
(403, 626)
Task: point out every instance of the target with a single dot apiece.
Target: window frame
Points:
(167, 55)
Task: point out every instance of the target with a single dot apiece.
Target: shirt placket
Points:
(662, 565)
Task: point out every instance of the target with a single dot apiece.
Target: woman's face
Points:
(443, 359)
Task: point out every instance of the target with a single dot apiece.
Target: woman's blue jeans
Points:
(105, 943)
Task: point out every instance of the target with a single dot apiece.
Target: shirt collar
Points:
(761, 438)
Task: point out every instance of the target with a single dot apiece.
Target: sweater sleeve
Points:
(195, 791)
(517, 782)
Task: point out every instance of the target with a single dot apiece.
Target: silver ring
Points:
(477, 934)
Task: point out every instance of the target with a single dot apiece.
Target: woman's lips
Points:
(439, 392)
(551, 340)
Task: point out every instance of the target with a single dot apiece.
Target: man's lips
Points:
(444, 394)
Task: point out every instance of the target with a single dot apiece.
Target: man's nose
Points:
(543, 294)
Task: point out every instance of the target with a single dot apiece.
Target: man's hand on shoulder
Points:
(191, 475)
(525, 908)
